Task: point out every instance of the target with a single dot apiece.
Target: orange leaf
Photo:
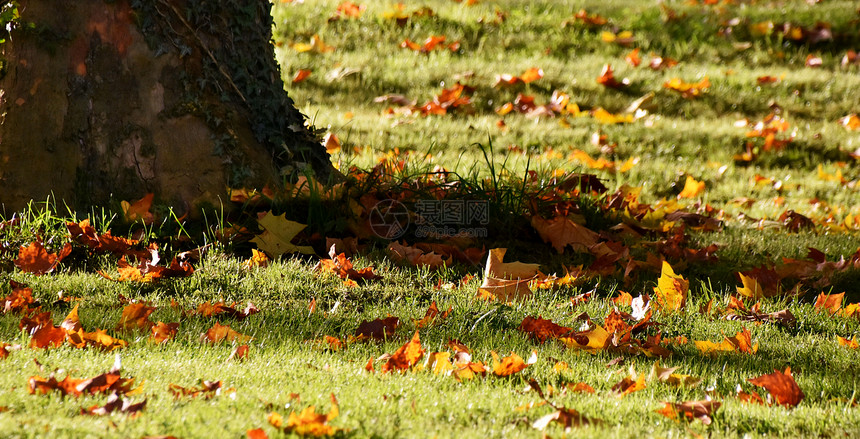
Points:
(607, 78)
(100, 339)
(139, 210)
(256, 433)
(35, 259)
(829, 302)
(135, 316)
(700, 410)
(686, 89)
(431, 314)
(406, 356)
(220, 332)
(531, 75)
(623, 299)
(162, 332)
(308, 422)
(301, 75)
(850, 344)
(781, 386)
(628, 385)
(48, 336)
(512, 364)
(632, 58)
(542, 329)
(18, 300)
(692, 188)
(850, 122)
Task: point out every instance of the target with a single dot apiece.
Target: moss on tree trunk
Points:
(121, 98)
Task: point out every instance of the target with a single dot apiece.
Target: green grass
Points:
(679, 137)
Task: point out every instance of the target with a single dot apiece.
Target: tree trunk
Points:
(182, 98)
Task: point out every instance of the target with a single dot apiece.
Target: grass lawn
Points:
(764, 135)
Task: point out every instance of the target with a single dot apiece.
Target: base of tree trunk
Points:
(182, 98)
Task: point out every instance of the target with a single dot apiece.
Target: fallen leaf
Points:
(700, 410)
(207, 390)
(378, 329)
(692, 188)
(686, 89)
(278, 232)
(431, 314)
(405, 357)
(301, 75)
(220, 332)
(781, 386)
(563, 231)
(308, 422)
(135, 316)
(829, 303)
(542, 329)
(115, 404)
(628, 385)
(670, 294)
(36, 260)
(511, 364)
(162, 332)
(740, 342)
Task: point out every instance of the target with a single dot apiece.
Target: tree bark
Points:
(182, 98)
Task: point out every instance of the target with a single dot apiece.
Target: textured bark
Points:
(118, 99)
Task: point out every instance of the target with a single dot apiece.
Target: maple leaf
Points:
(139, 210)
(162, 332)
(416, 256)
(101, 339)
(278, 231)
(19, 299)
(781, 386)
(257, 259)
(431, 314)
(511, 364)
(692, 188)
(439, 363)
(593, 339)
(36, 260)
(740, 342)
(851, 122)
(829, 303)
(686, 89)
(308, 422)
(607, 78)
(850, 344)
(700, 410)
(406, 356)
(207, 390)
(316, 45)
(506, 281)
(567, 417)
(220, 332)
(208, 309)
(115, 404)
(135, 316)
(341, 266)
(671, 290)
(628, 385)
(48, 336)
(378, 329)
(542, 329)
(562, 231)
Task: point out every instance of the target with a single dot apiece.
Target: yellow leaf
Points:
(278, 232)
(671, 290)
(692, 188)
(751, 287)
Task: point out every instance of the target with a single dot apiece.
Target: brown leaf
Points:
(19, 299)
(562, 231)
(115, 404)
(781, 386)
(240, 353)
(48, 336)
(378, 329)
